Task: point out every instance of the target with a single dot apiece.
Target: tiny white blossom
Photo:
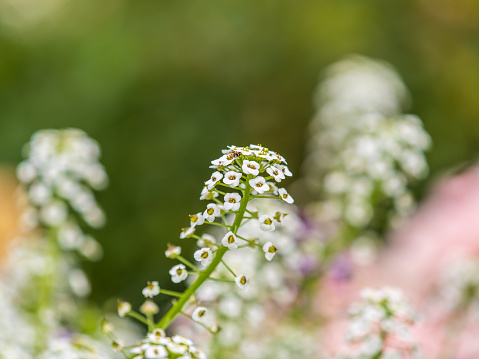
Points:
(266, 223)
(212, 211)
(156, 335)
(232, 178)
(208, 194)
(199, 313)
(149, 307)
(250, 167)
(276, 173)
(285, 196)
(269, 250)
(186, 232)
(259, 184)
(178, 273)
(204, 255)
(123, 308)
(173, 251)
(230, 241)
(215, 177)
(156, 352)
(241, 281)
(197, 219)
(151, 289)
(232, 202)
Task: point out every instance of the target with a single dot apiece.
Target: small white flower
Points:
(285, 196)
(276, 173)
(54, 213)
(186, 232)
(285, 170)
(197, 219)
(250, 167)
(269, 250)
(40, 193)
(149, 307)
(212, 211)
(173, 251)
(230, 241)
(151, 289)
(178, 273)
(155, 352)
(204, 255)
(156, 335)
(266, 223)
(207, 194)
(232, 178)
(224, 160)
(232, 201)
(215, 177)
(123, 308)
(241, 281)
(199, 314)
(259, 184)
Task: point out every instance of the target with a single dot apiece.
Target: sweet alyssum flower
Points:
(251, 167)
(186, 232)
(151, 289)
(230, 240)
(149, 307)
(266, 223)
(212, 211)
(178, 273)
(269, 250)
(241, 281)
(285, 196)
(276, 173)
(215, 177)
(199, 314)
(123, 308)
(259, 184)
(204, 255)
(232, 178)
(197, 219)
(173, 252)
(232, 201)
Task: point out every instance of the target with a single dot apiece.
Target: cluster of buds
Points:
(363, 147)
(242, 174)
(380, 326)
(60, 171)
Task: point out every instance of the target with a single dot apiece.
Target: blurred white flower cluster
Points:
(42, 283)
(380, 326)
(363, 151)
(60, 169)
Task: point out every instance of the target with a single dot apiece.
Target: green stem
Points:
(205, 274)
(227, 267)
(170, 293)
(138, 317)
(186, 262)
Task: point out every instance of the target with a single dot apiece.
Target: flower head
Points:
(276, 172)
(230, 240)
(215, 177)
(149, 307)
(241, 281)
(212, 211)
(285, 196)
(232, 178)
(250, 167)
(151, 289)
(269, 250)
(204, 255)
(123, 308)
(173, 251)
(266, 223)
(178, 273)
(196, 219)
(199, 314)
(232, 201)
(259, 184)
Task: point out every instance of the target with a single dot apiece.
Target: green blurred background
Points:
(164, 85)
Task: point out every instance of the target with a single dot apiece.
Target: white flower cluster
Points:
(380, 326)
(157, 345)
(60, 169)
(459, 284)
(40, 285)
(362, 146)
(254, 167)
